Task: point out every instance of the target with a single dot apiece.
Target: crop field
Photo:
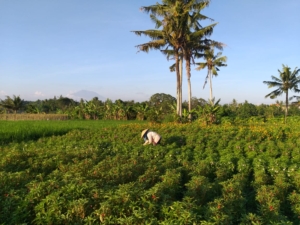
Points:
(98, 172)
(18, 131)
(28, 116)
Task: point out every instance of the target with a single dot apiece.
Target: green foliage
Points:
(246, 110)
(209, 112)
(161, 108)
(94, 172)
(14, 104)
(18, 131)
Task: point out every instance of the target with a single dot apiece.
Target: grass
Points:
(18, 131)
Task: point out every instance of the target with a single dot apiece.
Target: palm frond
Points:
(272, 84)
(214, 71)
(274, 93)
(153, 34)
(157, 44)
(172, 68)
(157, 22)
(201, 66)
(205, 31)
(206, 78)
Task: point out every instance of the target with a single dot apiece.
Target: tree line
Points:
(160, 107)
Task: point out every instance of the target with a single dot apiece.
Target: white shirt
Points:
(153, 137)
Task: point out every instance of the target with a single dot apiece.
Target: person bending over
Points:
(150, 137)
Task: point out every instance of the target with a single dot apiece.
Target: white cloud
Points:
(38, 94)
(2, 93)
(71, 95)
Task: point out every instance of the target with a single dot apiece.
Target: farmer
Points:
(150, 137)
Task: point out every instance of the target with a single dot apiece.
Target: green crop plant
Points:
(96, 172)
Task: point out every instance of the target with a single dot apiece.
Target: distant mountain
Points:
(87, 95)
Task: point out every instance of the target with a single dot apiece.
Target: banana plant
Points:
(187, 115)
(210, 110)
(141, 110)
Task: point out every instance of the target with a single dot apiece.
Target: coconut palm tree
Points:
(194, 35)
(192, 49)
(179, 18)
(187, 14)
(287, 80)
(15, 103)
(162, 38)
(212, 63)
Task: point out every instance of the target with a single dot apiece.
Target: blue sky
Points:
(53, 48)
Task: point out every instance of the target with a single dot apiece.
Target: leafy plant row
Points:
(198, 175)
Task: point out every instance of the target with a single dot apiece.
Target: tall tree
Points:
(287, 80)
(195, 36)
(15, 103)
(212, 63)
(162, 38)
(163, 101)
(181, 33)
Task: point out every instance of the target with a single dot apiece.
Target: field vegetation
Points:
(98, 172)
(19, 131)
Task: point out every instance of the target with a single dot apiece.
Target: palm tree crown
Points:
(212, 63)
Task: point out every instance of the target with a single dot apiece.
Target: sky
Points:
(66, 48)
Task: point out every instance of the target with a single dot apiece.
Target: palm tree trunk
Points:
(286, 105)
(210, 83)
(180, 95)
(188, 74)
(177, 69)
